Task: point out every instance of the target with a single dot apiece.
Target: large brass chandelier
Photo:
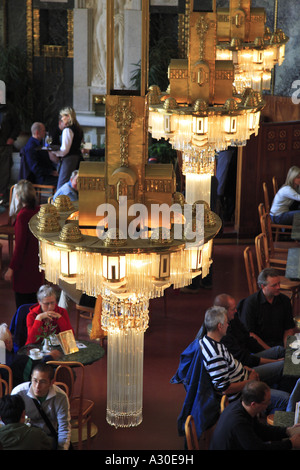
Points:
(129, 237)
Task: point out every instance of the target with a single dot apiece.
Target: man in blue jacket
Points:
(36, 165)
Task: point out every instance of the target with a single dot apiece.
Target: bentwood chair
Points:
(80, 407)
(275, 185)
(44, 190)
(6, 380)
(224, 403)
(277, 249)
(250, 270)
(191, 434)
(266, 197)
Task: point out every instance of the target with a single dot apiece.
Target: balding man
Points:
(239, 342)
(36, 165)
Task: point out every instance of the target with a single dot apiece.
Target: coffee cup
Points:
(35, 352)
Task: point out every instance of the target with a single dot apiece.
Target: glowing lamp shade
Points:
(113, 268)
(161, 266)
(196, 259)
(230, 124)
(68, 263)
(200, 125)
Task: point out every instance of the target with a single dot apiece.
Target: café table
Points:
(88, 352)
(284, 418)
(292, 359)
(293, 259)
(295, 234)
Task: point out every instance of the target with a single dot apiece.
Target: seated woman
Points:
(46, 314)
(286, 201)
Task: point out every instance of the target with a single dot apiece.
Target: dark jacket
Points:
(36, 165)
(19, 436)
(201, 400)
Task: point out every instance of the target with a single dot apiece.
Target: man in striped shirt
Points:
(228, 375)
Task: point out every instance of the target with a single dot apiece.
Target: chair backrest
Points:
(6, 377)
(266, 228)
(18, 327)
(275, 185)
(262, 254)
(46, 190)
(250, 270)
(64, 373)
(266, 197)
(261, 209)
(224, 403)
(191, 434)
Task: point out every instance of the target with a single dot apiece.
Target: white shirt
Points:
(283, 200)
(66, 142)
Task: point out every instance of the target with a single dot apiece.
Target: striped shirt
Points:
(222, 367)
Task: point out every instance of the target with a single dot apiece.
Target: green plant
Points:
(162, 151)
(162, 48)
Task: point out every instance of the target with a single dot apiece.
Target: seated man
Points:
(36, 165)
(267, 314)
(42, 393)
(15, 434)
(228, 375)
(267, 362)
(69, 188)
(239, 428)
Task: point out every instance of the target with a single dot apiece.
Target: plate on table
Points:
(295, 344)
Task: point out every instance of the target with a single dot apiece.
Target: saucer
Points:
(36, 358)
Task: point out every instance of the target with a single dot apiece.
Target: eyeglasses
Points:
(49, 303)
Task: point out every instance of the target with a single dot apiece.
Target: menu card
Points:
(67, 342)
(297, 411)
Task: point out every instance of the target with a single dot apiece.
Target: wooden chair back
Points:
(266, 228)
(275, 185)
(224, 403)
(262, 252)
(7, 385)
(266, 197)
(191, 434)
(45, 190)
(250, 270)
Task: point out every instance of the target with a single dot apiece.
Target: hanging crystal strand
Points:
(125, 322)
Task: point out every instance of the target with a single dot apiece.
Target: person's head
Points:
(228, 302)
(6, 336)
(38, 130)
(24, 195)
(215, 320)
(269, 281)
(68, 116)
(293, 177)
(12, 409)
(256, 397)
(46, 297)
(73, 179)
(42, 378)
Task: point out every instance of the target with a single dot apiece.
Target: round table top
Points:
(88, 352)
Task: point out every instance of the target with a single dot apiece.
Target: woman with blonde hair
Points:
(69, 153)
(23, 269)
(286, 201)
